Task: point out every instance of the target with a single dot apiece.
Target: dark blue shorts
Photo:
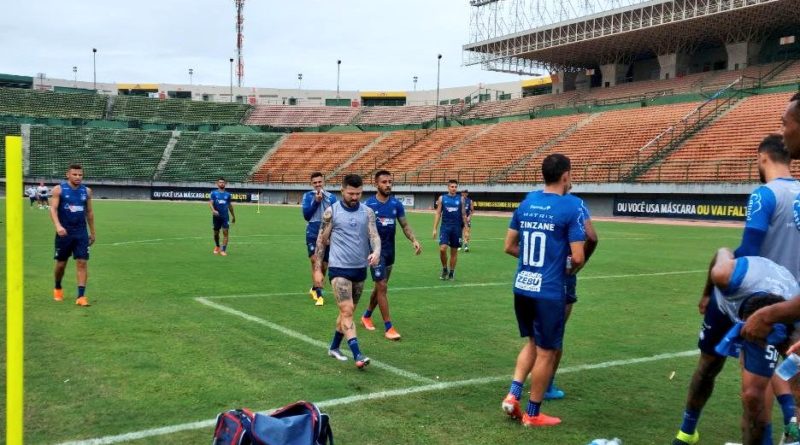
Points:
(760, 360)
(219, 222)
(382, 270)
(715, 326)
(354, 275)
(570, 289)
(450, 235)
(541, 319)
(311, 247)
(76, 246)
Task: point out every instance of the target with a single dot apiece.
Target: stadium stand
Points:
(523, 105)
(300, 154)
(409, 114)
(178, 111)
(295, 116)
(379, 154)
(206, 156)
(600, 149)
(789, 74)
(495, 150)
(724, 151)
(33, 103)
(6, 129)
(105, 154)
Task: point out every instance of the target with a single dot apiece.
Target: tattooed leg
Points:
(343, 290)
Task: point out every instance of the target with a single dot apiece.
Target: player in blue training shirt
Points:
(450, 211)
(388, 213)
(465, 233)
(545, 229)
(315, 202)
(739, 287)
(71, 212)
(771, 231)
(348, 230)
(221, 204)
(570, 289)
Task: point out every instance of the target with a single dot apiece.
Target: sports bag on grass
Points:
(299, 423)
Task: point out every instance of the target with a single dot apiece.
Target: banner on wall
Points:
(715, 208)
(194, 194)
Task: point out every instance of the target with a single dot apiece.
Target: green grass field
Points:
(152, 353)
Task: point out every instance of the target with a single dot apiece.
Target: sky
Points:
(382, 43)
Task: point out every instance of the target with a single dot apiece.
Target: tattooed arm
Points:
(323, 239)
(410, 234)
(374, 239)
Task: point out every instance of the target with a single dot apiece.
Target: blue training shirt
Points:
(451, 210)
(313, 210)
(468, 206)
(386, 215)
(221, 200)
(72, 207)
(547, 223)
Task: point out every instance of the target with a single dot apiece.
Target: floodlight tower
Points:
(239, 41)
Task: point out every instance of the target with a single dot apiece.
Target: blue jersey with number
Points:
(451, 210)
(221, 200)
(547, 223)
(72, 207)
(386, 215)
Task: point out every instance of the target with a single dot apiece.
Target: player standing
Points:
(450, 211)
(388, 212)
(41, 193)
(71, 213)
(349, 228)
(545, 229)
(315, 202)
(221, 204)
(468, 223)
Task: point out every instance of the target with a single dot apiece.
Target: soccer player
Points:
(570, 289)
(221, 204)
(349, 228)
(450, 211)
(468, 223)
(771, 232)
(315, 202)
(790, 126)
(545, 229)
(740, 286)
(388, 212)
(31, 192)
(42, 192)
(71, 214)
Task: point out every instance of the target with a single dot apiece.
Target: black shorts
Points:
(76, 246)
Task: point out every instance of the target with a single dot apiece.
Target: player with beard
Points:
(221, 204)
(389, 211)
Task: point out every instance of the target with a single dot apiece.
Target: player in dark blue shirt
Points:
(465, 234)
(71, 212)
(221, 204)
(450, 211)
(314, 204)
(389, 212)
(545, 229)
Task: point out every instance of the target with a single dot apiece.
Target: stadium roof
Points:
(622, 34)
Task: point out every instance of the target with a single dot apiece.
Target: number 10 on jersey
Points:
(533, 248)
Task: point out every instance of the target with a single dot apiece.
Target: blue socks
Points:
(533, 408)
(787, 407)
(766, 439)
(387, 325)
(81, 291)
(225, 247)
(516, 389)
(367, 313)
(337, 340)
(690, 419)
(58, 284)
(353, 343)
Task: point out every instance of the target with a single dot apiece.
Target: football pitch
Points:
(175, 335)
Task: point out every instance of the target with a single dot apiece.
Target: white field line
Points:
(137, 435)
(449, 286)
(307, 339)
